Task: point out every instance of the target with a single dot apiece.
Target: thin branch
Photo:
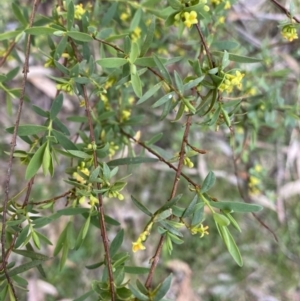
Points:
(210, 61)
(284, 10)
(7, 53)
(13, 144)
(53, 199)
(160, 158)
(155, 258)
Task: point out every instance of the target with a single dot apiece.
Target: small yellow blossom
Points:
(124, 16)
(221, 20)
(199, 229)
(83, 170)
(289, 32)
(125, 115)
(136, 34)
(187, 162)
(230, 81)
(258, 168)
(137, 246)
(79, 11)
(253, 181)
(112, 149)
(227, 5)
(190, 18)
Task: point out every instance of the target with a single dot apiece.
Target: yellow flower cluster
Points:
(138, 245)
(136, 34)
(289, 32)
(217, 2)
(187, 162)
(230, 81)
(83, 170)
(199, 229)
(190, 18)
(112, 149)
(116, 194)
(254, 183)
(79, 11)
(67, 87)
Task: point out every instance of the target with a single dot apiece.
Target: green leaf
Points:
(46, 159)
(134, 53)
(86, 227)
(79, 36)
(149, 37)
(137, 293)
(109, 14)
(114, 62)
(237, 206)
(220, 219)
(9, 34)
(208, 182)
(150, 92)
(60, 48)
(79, 154)
(163, 100)
(64, 256)
(163, 288)
(31, 254)
(238, 58)
(28, 129)
(198, 214)
(154, 139)
(40, 30)
(22, 236)
(136, 84)
(19, 14)
(72, 211)
(131, 160)
(178, 82)
(162, 216)
(116, 243)
(190, 209)
(36, 239)
(62, 240)
(162, 69)
(225, 45)
(136, 270)
(232, 220)
(70, 15)
(141, 206)
(193, 83)
(56, 106)
(136, 20)
(24, 267)
(230, 244)
(63, 141)
(35, 162)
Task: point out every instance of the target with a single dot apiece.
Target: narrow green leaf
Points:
(72, 211)
(154, 139)
(193, 83)
(163, 100)
(162, 69)
(149, 37)
(86, 227)
(9, 34)
(232, 221)
(70, 15)
(24, 267)
(190, 208)
(136, 84)
(114, 62)
(238, 58)
(141, 206)
(208, 182)
(136, 270)
(149, 93)
(198, 214)
(225, 45)
(35, 162)
(19, 14)
(116, 243)
(40, 30)
(64, 256)
(136, 20)
(109, 14)
(134, 53)
(63, 141)
(31, 254)
(168, 226)
(79, 154)
(28, 129)
(137, 293)
(178, 82)
(162, 216)
(36, 239)
(56, 106)
(62, 240)
(237, 206)
(131, 160)
(221, 219)
(163, 288)
(79, 36)
(46, 159)
(60, 48)
(22, 236)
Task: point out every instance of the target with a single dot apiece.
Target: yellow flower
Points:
(190, 18)
(79, 11)
(289, 32)
(230, 81)
(137, 246)
(199, 229)
(258, 168)
(136, 34)
(124, 16)
(227, 5)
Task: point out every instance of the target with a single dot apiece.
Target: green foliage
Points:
(127, 66)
